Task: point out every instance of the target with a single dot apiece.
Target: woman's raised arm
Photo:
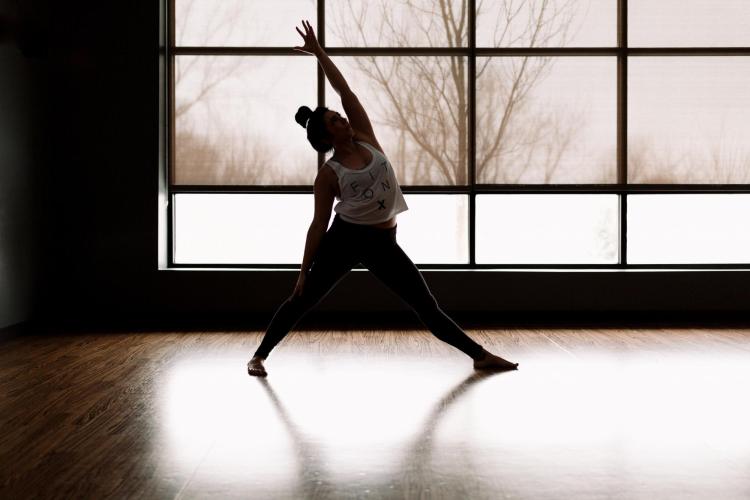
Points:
(352, 107)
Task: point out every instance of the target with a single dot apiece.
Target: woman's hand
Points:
(311, 43)
(300, 284)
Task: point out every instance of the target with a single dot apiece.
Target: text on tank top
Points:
(369, 195)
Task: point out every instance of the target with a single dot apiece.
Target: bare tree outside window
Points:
(423, 101)
(231, 112)
(420, 102)
(196, 153)
(237, 112)
(538, 119)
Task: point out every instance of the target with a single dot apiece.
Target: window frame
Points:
(622, 52)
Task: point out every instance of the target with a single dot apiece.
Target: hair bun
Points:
(303, 114)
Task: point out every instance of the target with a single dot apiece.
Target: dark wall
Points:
(101, 230)
(102, 184)
(22, 80)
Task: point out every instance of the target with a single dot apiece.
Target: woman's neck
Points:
(344, 148)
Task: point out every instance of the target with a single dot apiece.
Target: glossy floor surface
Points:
(610, 413)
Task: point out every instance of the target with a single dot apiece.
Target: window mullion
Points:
(622, 124)
(472, 142)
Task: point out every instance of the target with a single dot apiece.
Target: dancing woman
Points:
(364, 229)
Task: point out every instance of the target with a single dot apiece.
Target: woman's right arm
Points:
(313, 47)
(352, 107)
(324, 197)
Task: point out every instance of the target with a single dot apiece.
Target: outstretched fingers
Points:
(308, 36)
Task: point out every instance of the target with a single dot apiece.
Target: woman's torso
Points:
(335, 183)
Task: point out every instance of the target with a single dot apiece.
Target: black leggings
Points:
(344, 246)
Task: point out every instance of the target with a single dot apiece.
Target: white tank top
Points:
(369, 195)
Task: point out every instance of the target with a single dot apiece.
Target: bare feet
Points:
(494, 363)
(255, 367)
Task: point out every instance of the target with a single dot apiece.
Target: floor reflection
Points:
(594, 424)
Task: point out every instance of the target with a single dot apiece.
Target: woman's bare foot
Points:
(494, 363)
(255, 367)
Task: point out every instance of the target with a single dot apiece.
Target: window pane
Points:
(688, 229)
(414, 104)
(547, 23)
(547, 229)
(239, 228)
(546, 120)
(687, 120)
(395, 23)
(214, 23)
(234, 120)
(688, 23)
(435, 229)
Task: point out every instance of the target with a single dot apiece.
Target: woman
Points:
(364, 228)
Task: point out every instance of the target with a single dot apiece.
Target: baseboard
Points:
(13, 331)
(317, 319)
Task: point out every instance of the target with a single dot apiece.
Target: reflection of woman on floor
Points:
(364, 228)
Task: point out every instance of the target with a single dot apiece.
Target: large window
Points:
(524, 133)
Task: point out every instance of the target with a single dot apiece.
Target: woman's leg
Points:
(335, 257)
(388, 262)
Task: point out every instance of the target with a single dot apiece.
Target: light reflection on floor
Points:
(593, 425)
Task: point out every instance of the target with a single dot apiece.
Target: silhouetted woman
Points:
(364, 228)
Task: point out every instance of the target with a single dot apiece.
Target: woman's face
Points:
(338, 126)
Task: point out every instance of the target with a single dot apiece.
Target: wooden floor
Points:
(591, 413)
